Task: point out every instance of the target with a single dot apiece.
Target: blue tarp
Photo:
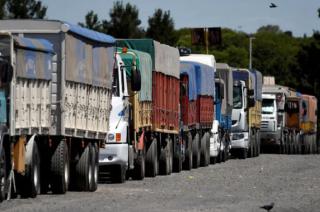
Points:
(204, 79)
(90, 34)
(258, 84)
(189, 69)
(34, 58)
(240, 75)
(34, 44)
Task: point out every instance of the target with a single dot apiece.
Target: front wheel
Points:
(3, 175)
(243, 153)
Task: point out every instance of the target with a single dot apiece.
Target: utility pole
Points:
(250, 52)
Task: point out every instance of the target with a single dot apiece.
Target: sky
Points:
(298, 16)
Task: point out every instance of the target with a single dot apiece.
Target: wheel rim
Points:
(2, 184)
(35, 176)
(95, 173)
(66, 173)
(89, 174)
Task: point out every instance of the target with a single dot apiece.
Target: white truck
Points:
(143, 139)
(246, 113)
(58, 107)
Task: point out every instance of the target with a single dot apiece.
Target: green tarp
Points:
(144, 64)
(165, 59)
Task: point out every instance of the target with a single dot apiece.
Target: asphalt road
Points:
(292, 182)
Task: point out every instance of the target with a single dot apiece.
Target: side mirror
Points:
(250, 92)
(222, 91)
(251, 102)
(135, 80)
(6, 73)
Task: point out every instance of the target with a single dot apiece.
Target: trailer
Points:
(246, 113)
(150, 144)
(58, 108)
(197, 108)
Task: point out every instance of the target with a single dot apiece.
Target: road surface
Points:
(292, 182)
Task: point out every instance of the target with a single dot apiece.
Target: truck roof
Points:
(205, 59)
(53, 26)
(34, 44)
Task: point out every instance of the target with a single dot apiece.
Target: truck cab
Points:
(270, 128)
(117, 156)
(115, 153)
(239, 116)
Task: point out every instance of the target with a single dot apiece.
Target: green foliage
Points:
(124, 21)
(2, 9)
(159, 23)
(92, 22)
(23, 9)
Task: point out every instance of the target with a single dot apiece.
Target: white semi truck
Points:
(246, 113)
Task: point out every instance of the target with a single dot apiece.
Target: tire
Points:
(187, 165)
(243, 153)
(164, 160)
(196, 152)
(138, 173)
(152, 159)
(170, 156)
(3, 175)
(213, 160)
(177, 158)
(251, 143)
(83, 170)
(207, 158)
(31, 187)
(60, 169)
(203, 151)
(95, 167)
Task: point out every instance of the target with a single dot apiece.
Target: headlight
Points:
(237, 136)
(110, 137)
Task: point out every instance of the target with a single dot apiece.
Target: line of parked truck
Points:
(77, 105)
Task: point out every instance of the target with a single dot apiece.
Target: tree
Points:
(124, 21)
(2, 9)
(161, 28)
(92, 22)
(24, 9)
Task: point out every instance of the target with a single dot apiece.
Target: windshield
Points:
(267, 106)
(237, 97)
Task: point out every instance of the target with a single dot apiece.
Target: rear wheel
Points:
(31, 182)
(138, 172)
(177, 157)
(196, 152)
(84, 170)
(95, 167)
(152, 159)
(164, 160)
(207, 158)
(203, 151)
(188, 153)
(60, 169)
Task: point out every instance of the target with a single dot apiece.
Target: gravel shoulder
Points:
(292, 182)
